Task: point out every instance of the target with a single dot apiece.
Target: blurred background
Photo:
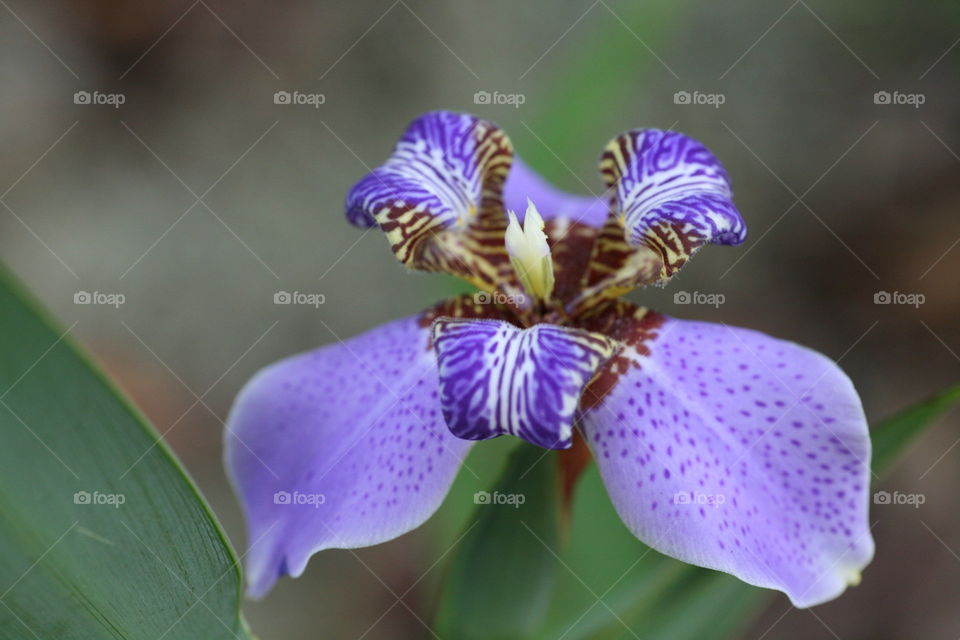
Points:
(148, 153)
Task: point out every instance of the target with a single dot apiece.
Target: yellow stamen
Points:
(529, 252)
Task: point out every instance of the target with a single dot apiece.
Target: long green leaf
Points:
(102, 533)
(893, 436)
(501, 579)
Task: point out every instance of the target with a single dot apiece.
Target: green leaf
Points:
(103, 535)
(502, 575)
(892, 436)
(705, 605)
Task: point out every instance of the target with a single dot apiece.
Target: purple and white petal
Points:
(552, 203)
(498, 379)
(445, 169)
(671, 194)
(340, 447)
(732, 450)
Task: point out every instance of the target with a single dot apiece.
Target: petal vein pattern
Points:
(498, 379)
(438, 198)
(670, 195)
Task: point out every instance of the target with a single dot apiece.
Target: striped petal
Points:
(498, 379)
(438, 198)
(671, 194)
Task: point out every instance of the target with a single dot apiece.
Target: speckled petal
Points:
(732, 450)
(498, 379)
(341, 447)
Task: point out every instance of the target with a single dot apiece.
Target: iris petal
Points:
(670, 196)
(438, 198)
(496, 378)
(732, 450)
(671, 193)
(340, 447)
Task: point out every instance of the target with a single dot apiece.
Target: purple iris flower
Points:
(719, 446)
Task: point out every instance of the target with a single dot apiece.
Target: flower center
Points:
(530, 253)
